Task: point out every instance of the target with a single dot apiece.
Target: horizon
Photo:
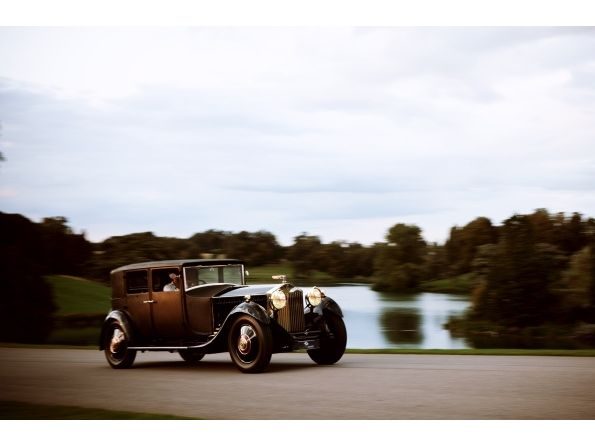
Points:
(429, 242)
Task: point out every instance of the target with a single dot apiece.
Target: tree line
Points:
(529, 270)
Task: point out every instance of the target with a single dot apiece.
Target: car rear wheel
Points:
(332, 342)
(191, 356)
(250, 344)
(116, 347)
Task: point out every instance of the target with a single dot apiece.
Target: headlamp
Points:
(278, 299)
(315, 296)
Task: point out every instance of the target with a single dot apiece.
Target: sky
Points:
(339, 132)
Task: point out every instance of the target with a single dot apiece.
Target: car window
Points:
(233, 274)
(161, 277)
(137, 282)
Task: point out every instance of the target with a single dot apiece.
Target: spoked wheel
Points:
(332, 342)
(116, 347)
(250, 344)
(191, 356)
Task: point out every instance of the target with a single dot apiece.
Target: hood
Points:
(243, 290)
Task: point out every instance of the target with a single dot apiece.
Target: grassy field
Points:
(11, 410)
(476, 351)
(75, 295)
(456, 285)
(263, 274)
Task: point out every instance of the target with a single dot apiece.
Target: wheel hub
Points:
(245, 340)
(117, 340)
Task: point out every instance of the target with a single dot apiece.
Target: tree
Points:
(255, 248)
(305, 255)
(27, 305)
(63, 251)
(520, 285)
(399, 262)
(463, 243)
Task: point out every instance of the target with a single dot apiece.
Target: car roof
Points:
(177, 264)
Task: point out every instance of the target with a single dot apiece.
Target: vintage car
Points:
(195, 307)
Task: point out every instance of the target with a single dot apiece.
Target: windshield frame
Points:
(220, 274)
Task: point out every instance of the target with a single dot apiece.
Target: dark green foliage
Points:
(399, 264)
(463, 244)
(339, 259)
(532, 269)
(63, 251)
(305, 255)
(519, 286)
(578, 299)
(26, 306)
(255, 248)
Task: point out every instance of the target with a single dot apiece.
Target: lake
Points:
(391, 320)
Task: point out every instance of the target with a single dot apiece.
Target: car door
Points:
(137, 302)
(168, 316)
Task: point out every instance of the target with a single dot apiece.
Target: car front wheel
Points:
(116, 347)
(250, 344)
(332, 342)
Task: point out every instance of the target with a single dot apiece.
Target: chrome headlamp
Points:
(278, 299)
(315, 296)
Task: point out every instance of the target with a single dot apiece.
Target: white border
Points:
(295, 13)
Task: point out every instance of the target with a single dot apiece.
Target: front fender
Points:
(330, 305)
(122, 319)
(251, 309)
(218, 343)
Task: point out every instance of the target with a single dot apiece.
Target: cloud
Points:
(339, 130)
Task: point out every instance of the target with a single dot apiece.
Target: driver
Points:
(173, 285)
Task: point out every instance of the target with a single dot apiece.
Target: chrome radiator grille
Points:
(291, 317)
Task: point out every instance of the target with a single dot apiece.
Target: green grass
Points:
(262, 274)
(460, 284)
(11, 410)
(476, 351)
(75, 295)
(78, 299)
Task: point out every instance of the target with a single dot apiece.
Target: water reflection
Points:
(385, 320)
(401, 326)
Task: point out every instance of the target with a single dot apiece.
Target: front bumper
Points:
(305, 341)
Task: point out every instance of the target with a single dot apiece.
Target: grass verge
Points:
(476, 351)
(454, 285)
(12, 410)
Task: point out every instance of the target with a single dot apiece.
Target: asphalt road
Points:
(362, 387)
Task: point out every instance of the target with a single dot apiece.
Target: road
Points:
(363, 387)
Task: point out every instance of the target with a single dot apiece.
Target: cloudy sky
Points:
(337, 132)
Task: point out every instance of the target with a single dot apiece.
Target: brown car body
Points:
(214, 310)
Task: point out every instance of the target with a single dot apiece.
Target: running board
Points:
(169, 349)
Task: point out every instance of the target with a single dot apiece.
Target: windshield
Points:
(202, 275)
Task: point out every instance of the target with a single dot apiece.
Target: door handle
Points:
(148, 301)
